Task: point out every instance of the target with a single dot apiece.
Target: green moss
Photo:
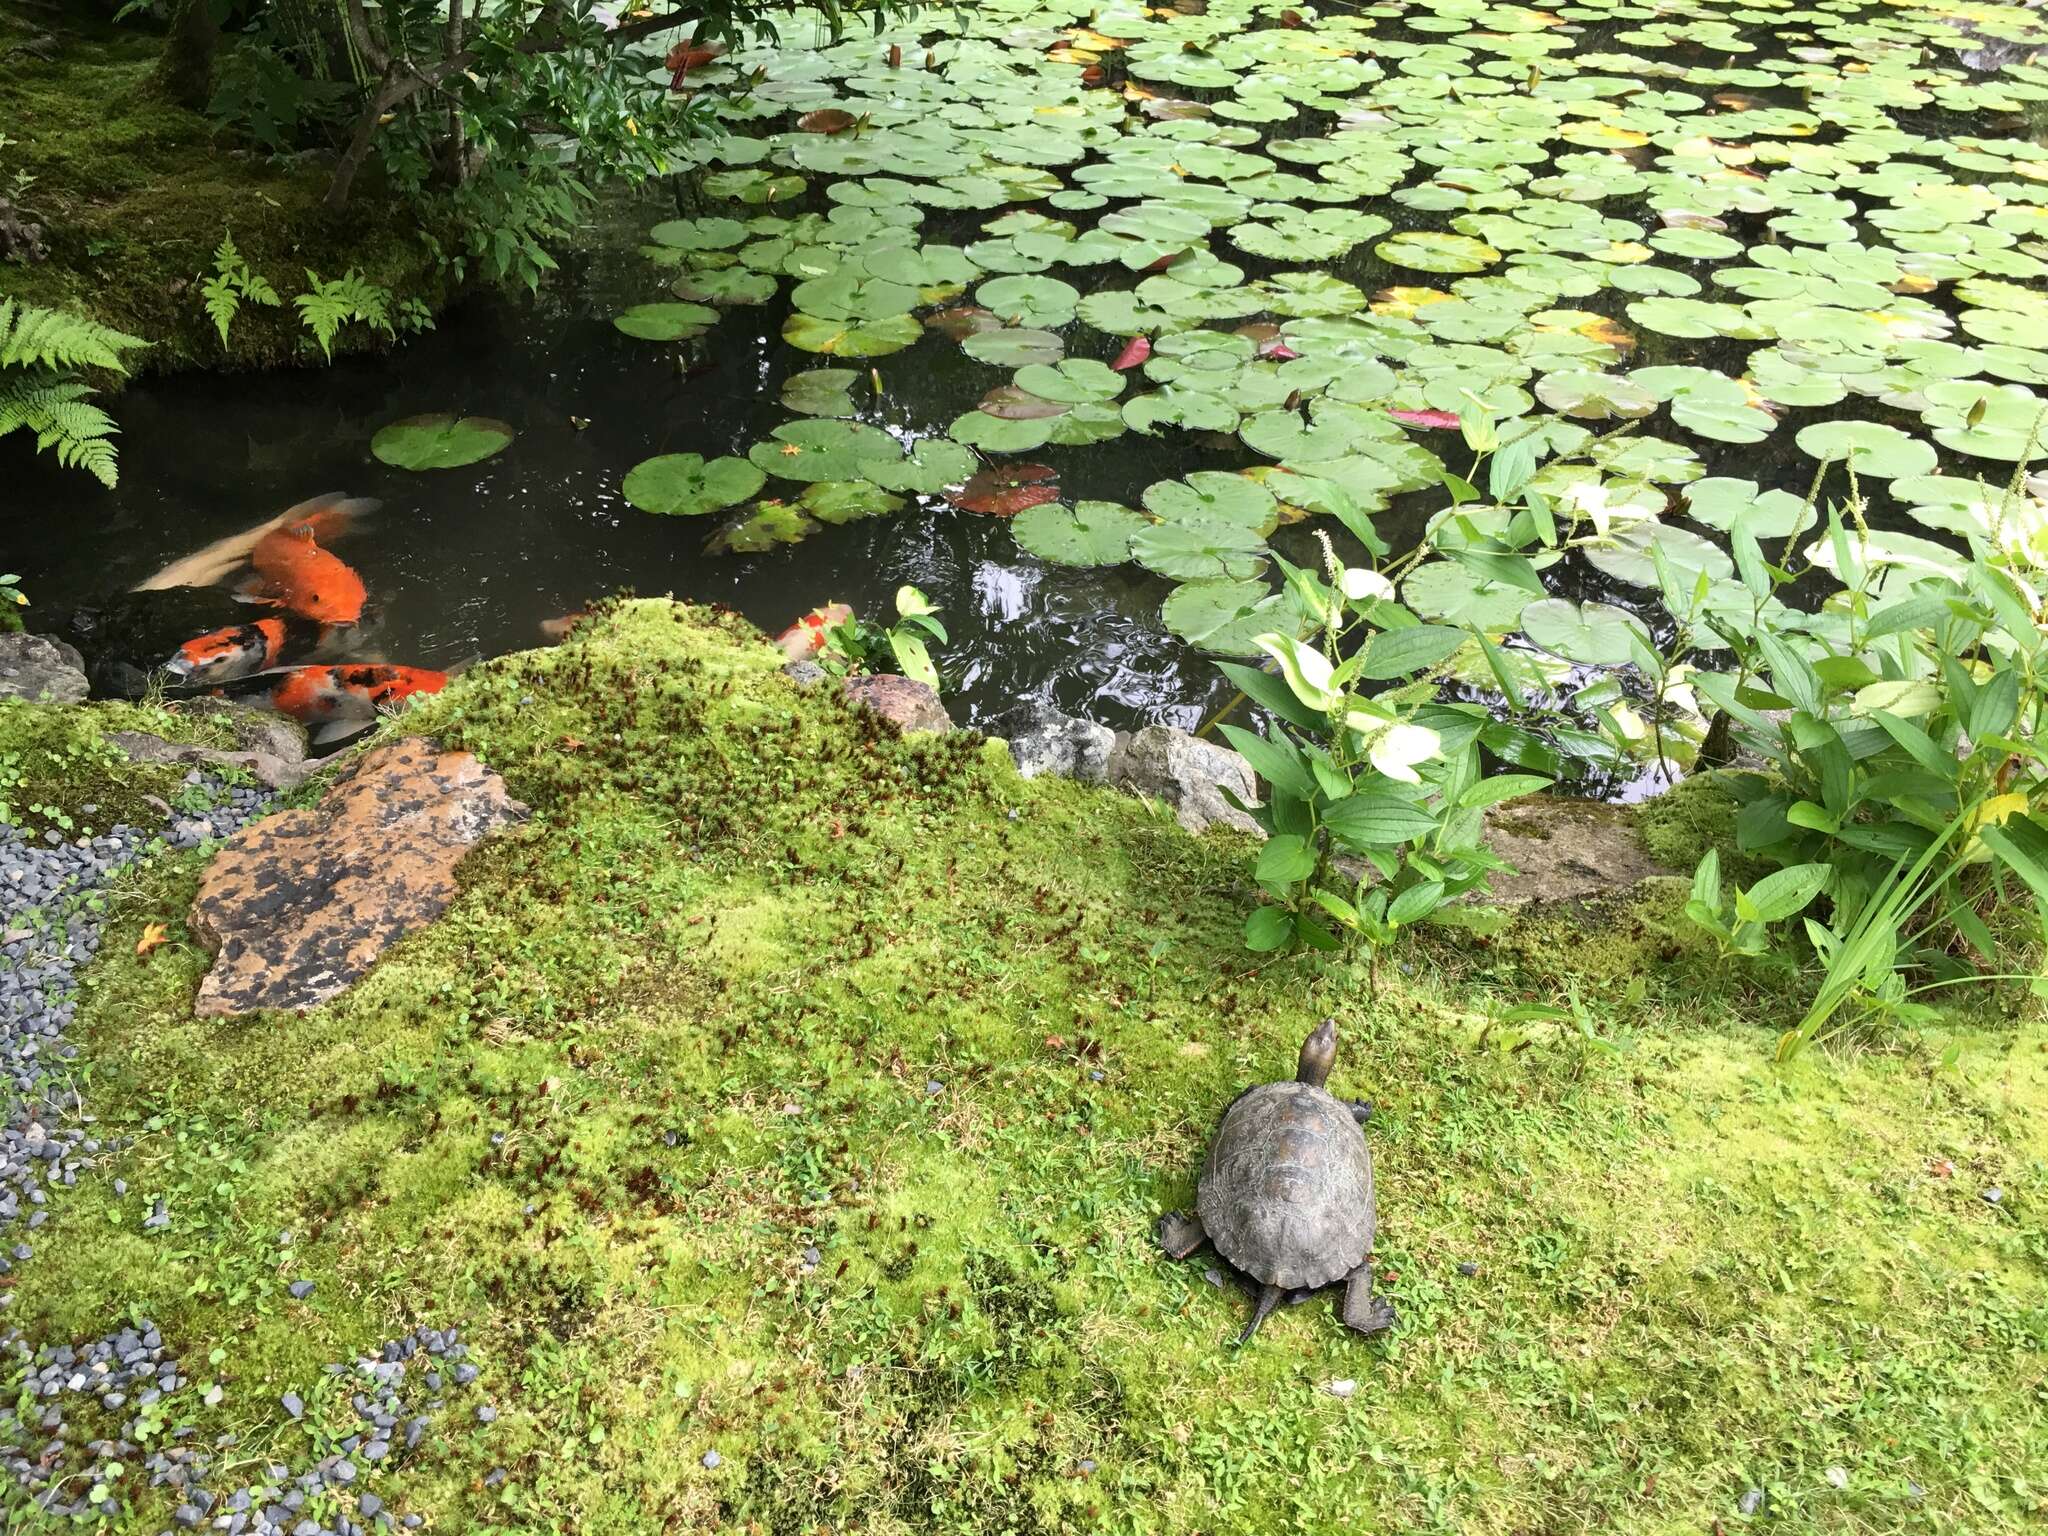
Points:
(1698, 813)
(135, 194)
(791, 1090)
(59, 770)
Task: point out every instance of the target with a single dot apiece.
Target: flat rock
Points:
(272, 747)
(911, 705)
(1187, 774)
(1049, 742)
(37, 667)
(299, 905)
(1565, 850)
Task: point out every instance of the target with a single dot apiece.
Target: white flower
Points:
(1358, 585)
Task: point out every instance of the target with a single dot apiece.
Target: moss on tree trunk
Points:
(185, 71)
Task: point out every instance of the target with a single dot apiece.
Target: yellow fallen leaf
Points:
(153, 934)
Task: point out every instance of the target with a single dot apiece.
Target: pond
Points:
(1175, 292)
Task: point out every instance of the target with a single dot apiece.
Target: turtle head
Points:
(1318, 1055)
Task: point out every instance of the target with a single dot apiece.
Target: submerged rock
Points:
(300, 905)
(37, 667)
(911, 705)
(1187, 774)
(1072, 748)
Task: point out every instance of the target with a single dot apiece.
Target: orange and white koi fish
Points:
(293, 571)
(806, 637)
(337, 701)
(222, 655)
(220, 559)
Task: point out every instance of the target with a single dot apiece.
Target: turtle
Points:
(1286, 1193)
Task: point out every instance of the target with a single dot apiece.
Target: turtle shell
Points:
(1286, 1194)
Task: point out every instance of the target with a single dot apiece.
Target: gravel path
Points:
(83, 1420)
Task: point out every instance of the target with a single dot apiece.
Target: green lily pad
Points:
(823, 450)
(1076, 381)
(1200, 551)
(439, 441)
(1012, 347)
(1225, 616)
(1037, 302)
(1868, 447)
(849, 338)
(1091, 533)
(933, 464)
(1433, 251)
(666, 322)
(768, 524)
(1597, 634)
(1212, 498)
(820, 392)
(731, 285)
(1627, 554)
(846, 501)
(686, 484)
(1452, 593)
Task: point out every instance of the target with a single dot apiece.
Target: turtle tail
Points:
(1269, 1298)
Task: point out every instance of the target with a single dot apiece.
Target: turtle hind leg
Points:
(1362, 1311)
(1269, 1298)
(1181, 1235)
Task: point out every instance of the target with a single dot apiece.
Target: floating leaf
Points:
(1006, 490)
(1225, 616)
(769, 523)
(1868, 448)
(846, 338)
(1038, 302)
(823, 450)
(667, 322)
(1091, 533)
(1014, 348)
(1597, 634)
(845, 501)
(820, 392)
(439, 441)
(933, 464)
(688, 483)
(1433, 251)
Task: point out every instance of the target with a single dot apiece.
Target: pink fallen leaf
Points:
(1135, 351)
(1447, 420)
(1278, 349)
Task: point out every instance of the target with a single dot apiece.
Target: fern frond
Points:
(223, 302)
(327, 306)
(55, 410)
(33, 337)
(257, 290)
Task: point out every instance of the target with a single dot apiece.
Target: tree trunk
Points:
(184, 71)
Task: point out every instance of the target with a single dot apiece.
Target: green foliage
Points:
(35, 338)
(233, 281)
(854, 645)
(1388, 780)
(40, 349)
(325, 307)
(12, 601)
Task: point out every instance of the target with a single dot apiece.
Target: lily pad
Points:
(846, 501)
(1433, 251)
(1597, 634)
(1225, 616)
(823, 450)
(1012, 347)
(1005, 490)
(1452, 593)
(768, 524)
(666, 322)
(1038, 302)
(850, 338)
(686, 484)
(440, 441)
(933, 464)
(820, 392)
(1091, 533)
(1868, 448)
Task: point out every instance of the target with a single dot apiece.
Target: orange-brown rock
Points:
(298, 906)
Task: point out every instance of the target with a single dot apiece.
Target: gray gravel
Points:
(58, 1400)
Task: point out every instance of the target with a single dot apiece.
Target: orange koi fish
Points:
(220, 559)
(337, 701)
(222, 655)
(806, 637)
(293, 571)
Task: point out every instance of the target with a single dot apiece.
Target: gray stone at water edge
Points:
(1072, 748)
(37, 667)
(1186, 774)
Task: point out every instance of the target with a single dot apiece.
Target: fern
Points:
(32, 337)
(54, 408)
(232, 282)
(327, 306)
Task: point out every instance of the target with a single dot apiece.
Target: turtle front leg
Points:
(1180, 1235)
(1362, 1311)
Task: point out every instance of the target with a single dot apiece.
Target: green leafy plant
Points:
(232, 281)
(326, 307)
(854, 645)
(41, 352)
(11, 602)
(1896, 730)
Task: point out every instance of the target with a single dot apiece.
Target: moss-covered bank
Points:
(804, 1094)
(134, 195)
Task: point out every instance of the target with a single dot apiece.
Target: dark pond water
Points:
(470, 562)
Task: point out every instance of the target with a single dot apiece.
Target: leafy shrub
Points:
(41, 351)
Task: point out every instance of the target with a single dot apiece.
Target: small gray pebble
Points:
(300, 1289)
(486, 1414)
(712, 1460)
(1751, 1501)
(1994, 1195)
